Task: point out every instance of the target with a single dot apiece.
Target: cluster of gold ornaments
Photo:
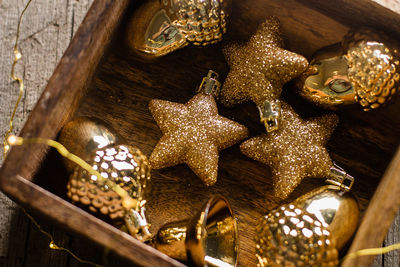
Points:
(306, 232)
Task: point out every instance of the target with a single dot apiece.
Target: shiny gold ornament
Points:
(258, 70)
(194, 133)
(208, 239)
(162, 26)
(123, 164)
(362, 69)
(295, 151)
(308, 231)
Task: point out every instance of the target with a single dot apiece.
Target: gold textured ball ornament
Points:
(258, 70)
(309, 231)
(363, 68)
(124, 165)
(159, 27)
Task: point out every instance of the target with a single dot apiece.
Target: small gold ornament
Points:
(208, 239)
(363, 68)
(309, 231)
(258, 70)
(295, 151)
(124, 165)
(194, 133)
(162, 26)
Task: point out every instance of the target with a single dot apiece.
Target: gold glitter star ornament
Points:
(295, 151)
(259, 69)
(194, 133)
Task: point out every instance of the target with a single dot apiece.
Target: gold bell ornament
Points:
(363, 68)
(159, 27)
(309, 231)
(208, 239)
(124, 165)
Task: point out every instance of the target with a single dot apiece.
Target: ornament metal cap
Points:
(270, 114)
(124, 165)
(159, 27)
(210, 85)
(309, 231)
(208, 239)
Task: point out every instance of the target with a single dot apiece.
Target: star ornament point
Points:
(193, 133)
(295, 151)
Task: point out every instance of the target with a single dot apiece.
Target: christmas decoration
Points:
(123, 168)
(295, 151)
(258, 70)
(308, 231)
(161, 26)
(363, 68)
(210, 238)
(194, 133)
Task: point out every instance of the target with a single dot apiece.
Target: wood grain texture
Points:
(46, 31)
(385, 202)
(364, 143)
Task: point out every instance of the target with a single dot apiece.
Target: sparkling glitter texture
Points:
(291, 236)
(259, 68)
(124, 165)
(295, 151)
(194, 133)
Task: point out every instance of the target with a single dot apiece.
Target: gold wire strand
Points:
(371, 252)
(53, 244)
(17, 56)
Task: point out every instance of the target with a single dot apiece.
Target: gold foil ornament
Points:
(309, 231)
(123, 164)
(363, 68)
(194, 133)
(210, 238)
(159, 27)
(258, 70)
(295, 151)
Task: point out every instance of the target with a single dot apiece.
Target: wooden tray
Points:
(99, 76)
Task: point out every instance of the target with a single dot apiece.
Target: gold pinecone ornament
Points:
(363, 68)
(160, 27)
(309, 231)
(124, 165)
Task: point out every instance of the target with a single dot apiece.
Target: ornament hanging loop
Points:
(338, 176)
(210, 85)
(269, 115)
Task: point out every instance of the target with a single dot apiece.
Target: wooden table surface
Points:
(46, 31)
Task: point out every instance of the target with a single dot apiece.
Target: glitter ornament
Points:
(295, 151)
(258, 70)
(159, 27)
(308, 231)
(124, 165)
(194, 133)
(363, 68)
